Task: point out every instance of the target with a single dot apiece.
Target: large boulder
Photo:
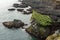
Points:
(14, 24)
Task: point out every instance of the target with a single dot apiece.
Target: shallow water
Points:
(5, 15)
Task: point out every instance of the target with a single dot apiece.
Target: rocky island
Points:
(14, 24)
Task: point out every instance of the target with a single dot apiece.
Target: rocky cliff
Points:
(41, 24)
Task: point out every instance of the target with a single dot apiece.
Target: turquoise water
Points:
(5, 15)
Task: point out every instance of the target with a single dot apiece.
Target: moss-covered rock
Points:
(41, 19)
(36, 29)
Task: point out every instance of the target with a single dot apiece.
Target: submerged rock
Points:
(14, 24)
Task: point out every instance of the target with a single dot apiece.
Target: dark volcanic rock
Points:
(14, 24)
(12, 9)
(20, 10)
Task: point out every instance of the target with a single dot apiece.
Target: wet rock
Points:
(14, 24)
(11, 9)
(30, 9)
(20, 10)
(25, 12)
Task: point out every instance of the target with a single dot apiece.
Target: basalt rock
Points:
(14, 24)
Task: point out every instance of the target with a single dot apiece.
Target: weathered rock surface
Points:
(14, 24)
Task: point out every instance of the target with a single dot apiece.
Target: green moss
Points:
(41, 19)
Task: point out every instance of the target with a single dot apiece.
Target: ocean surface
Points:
(5, 15)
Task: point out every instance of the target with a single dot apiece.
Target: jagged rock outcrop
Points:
(42, 26)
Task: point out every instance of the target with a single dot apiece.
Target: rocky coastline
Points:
(45, 20)
(49, 23)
